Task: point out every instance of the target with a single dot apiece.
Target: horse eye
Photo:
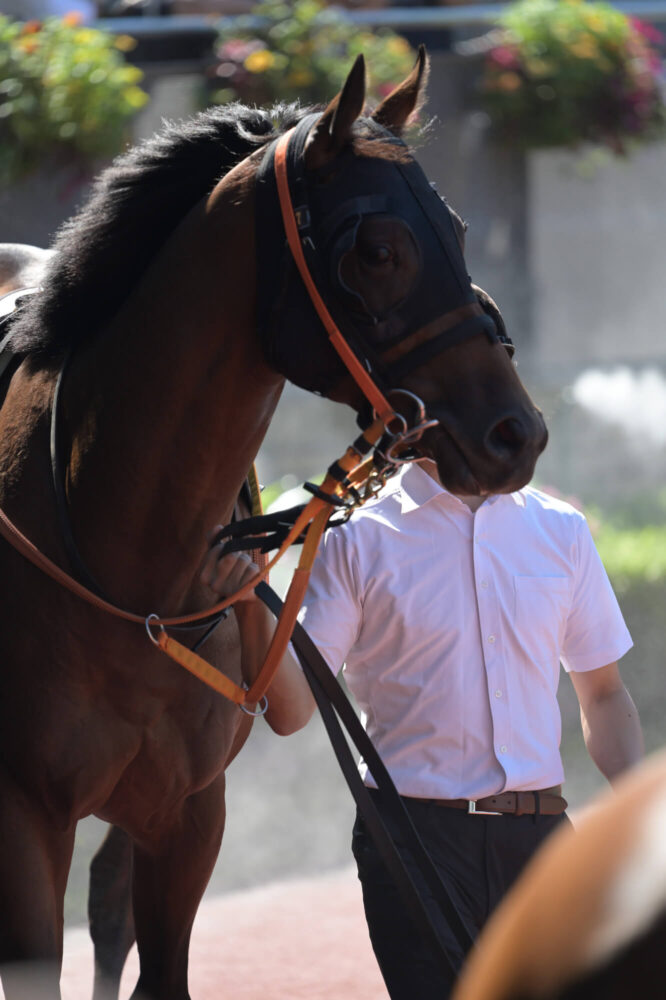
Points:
(376, 254)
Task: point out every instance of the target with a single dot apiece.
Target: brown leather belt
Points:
(548, 802)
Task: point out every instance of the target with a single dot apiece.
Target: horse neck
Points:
(181, 401)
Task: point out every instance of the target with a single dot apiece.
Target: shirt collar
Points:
(418, 488)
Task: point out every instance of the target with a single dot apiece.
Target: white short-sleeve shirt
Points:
(452, 625)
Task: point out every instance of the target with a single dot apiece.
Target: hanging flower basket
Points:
(568, 72)
(301, 51)
(66, 95)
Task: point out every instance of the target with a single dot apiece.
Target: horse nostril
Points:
(509, 436)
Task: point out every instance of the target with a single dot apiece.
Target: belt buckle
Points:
(473, 811)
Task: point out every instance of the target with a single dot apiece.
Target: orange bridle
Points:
(375, 397)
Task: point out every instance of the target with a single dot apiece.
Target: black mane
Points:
(103, 250)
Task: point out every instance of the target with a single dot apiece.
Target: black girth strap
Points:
(81, 571)
(331, 700)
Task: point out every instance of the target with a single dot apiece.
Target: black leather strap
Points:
(331, 700)
(79, 568)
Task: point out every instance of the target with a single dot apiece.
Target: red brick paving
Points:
(300, 940)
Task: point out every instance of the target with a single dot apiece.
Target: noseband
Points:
(320, 212)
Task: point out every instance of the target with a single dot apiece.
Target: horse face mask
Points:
(431, 304)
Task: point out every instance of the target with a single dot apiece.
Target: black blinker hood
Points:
(329, 206)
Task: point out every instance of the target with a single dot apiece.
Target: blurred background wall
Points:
(573, 248)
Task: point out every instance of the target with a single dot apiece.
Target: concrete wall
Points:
(484, 183)
(597, 252)
(572, 245)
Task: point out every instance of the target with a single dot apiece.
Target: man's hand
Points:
(225, 575)
(290, 701)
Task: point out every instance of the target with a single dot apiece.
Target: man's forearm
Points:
(290, 701)
(613, 733)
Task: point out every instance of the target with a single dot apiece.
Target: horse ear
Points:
(396, 109)
(333, 130)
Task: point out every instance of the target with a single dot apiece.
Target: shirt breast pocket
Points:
(541, 609)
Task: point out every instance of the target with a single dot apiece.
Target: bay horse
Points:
(178, 347)
(587, 918)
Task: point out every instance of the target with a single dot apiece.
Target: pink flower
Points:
(238, 49)
(505, 57)
(646, 30)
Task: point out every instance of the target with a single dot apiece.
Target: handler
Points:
(451, 615)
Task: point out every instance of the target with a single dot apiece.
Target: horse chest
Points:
(181, 734)
(129, 739)
(169, 765)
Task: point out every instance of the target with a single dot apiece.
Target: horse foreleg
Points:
(34, 864)
(169, 881)
(110, 911)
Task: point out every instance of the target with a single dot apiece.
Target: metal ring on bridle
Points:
(260, 710)
(409, 435)
(148, 628)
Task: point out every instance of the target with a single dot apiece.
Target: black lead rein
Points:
(331, 700)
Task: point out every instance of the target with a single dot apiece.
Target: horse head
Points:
(385, 252)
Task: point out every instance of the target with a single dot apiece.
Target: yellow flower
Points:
(135, 97)
(585, 48)
(508, 81)
(594, 21)
(125, 43)
(398, 46)
(300, 78)
(27, 44)
(258, 62)
(539, 67)
(86, 36)
(562, 32)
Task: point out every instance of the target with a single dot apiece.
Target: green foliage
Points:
(271, 493)
(633, 554)
(66, 94)
(302, 51)
(564, 72)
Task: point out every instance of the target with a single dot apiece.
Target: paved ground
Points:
(297, 940)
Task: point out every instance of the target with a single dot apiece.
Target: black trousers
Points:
(478, 857)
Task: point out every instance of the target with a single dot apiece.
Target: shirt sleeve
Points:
(595, 631)
(331, 611)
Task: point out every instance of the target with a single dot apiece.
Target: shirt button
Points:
(498, 693)
(503, 748)
(491, 638)
(484, 584)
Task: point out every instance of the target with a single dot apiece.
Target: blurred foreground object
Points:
(588, 917)
(566, 72)
(301, 51)
(66, 95)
